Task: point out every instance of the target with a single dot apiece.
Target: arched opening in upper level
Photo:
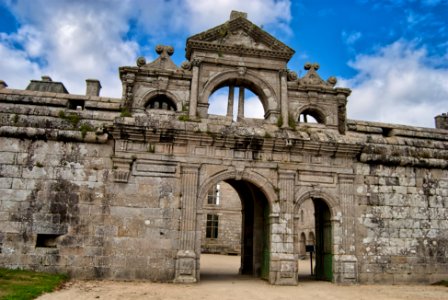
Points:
(266, 107)
(236, 100)
(161, 101)
(311, 115)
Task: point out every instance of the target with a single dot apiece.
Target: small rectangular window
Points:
(76, 104)
(212, 227)
(214, 195)
(47, 240)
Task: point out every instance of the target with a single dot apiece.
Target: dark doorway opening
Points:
(324, 256)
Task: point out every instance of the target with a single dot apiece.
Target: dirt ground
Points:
(220, 280)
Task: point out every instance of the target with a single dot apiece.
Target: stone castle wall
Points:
(114, 188)
(403, 223)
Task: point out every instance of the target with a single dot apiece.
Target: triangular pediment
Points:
(239, 35)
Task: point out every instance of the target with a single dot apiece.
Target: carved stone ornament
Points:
(163, 62)
(312, 78)
(196, 62)
(186, 65)
(242, 71)
(141, 61)
(332, 80)
(292, 76)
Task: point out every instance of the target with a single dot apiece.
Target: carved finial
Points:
(186, 65)
(141, 61)
(332, 80)
(309, 66)
(164, 51)
(292, 75)
(237, 14)
(169, 50)
(159, 49)
(312, 78)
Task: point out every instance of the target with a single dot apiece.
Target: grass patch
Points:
(24, 285)
(125, 113)
(442, 283)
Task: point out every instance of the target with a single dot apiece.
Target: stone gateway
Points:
(118, 188)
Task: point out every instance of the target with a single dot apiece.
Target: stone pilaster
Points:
(186, 262)
(283, 263)
(128, 89)
(194, 88)
(346, 263)
(284, 98)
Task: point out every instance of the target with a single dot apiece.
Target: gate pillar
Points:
(284, 268)
(187, 270)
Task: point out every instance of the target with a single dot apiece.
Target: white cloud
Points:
(75, 40)
(253, 108)
(17, 66)
(194, 16)
(218, 102)
(398, 84)
(350, 38)
(205, 13)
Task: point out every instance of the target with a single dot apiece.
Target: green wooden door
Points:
(324, 257)
(266, 253)
(327, 256)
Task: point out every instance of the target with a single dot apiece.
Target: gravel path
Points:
(220, 280)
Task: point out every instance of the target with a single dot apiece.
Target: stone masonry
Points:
(115, 188)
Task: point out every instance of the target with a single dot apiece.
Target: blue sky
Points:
(393, 54)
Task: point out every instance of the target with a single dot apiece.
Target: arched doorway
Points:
(318, 209)
(302, 248)
(324, 256)
(255, 227)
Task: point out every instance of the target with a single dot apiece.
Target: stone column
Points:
(348, 261)
(194, 88)
(284, 98)
(241, 104)
(283, 260)
(230, 101)
(186, 261)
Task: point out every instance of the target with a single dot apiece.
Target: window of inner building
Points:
(161, 102)
(213, 195)
(212, 227)
(225, 102)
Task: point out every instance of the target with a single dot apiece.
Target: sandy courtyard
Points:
(220, 280)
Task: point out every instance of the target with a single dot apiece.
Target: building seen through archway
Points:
(236, 222)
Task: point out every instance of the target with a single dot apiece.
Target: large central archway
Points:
(255, 226)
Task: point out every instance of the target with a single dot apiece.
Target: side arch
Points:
(319, 113)
(331, 201)
(328, 217)
(263, 90)
(146, 98)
